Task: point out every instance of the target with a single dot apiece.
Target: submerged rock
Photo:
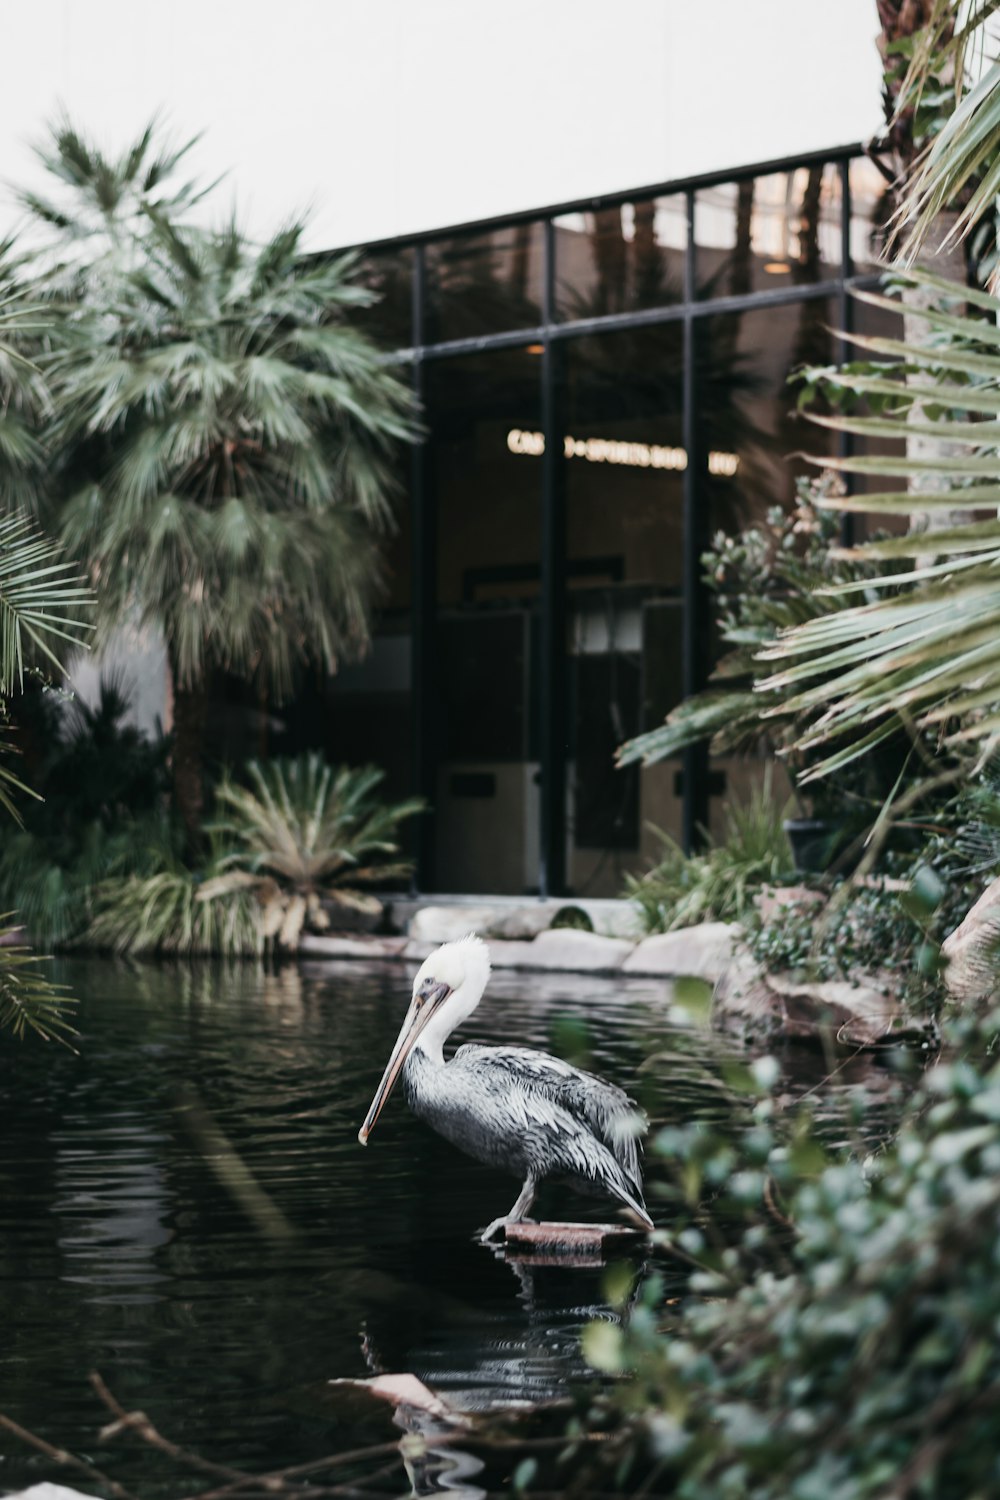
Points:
(48, 1491)
(759, 1006)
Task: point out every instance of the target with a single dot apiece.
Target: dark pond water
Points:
(131, 1244)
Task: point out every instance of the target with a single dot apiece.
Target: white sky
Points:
(387, 116)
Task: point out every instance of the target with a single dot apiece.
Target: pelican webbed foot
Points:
(518, 1214)
(495, 1231)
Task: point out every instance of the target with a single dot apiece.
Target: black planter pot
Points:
(813, 843)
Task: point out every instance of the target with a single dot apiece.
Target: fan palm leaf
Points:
(930, 656)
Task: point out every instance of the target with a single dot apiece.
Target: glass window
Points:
(768, 232)
(389, 274)
(872, 206)
(750, 424)
(484, 416)
(620, 259)
(754, 438)
(484, 283)
(624, 476)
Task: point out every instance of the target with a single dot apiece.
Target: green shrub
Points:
(300, 834)
(103, 811)
(842, 1341)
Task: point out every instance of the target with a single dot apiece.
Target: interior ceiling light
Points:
(776, 267)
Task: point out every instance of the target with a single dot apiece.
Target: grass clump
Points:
(719, 884)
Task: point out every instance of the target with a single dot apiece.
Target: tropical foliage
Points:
(41, 599)
(927, 657)
(29, 1000)
(946, 74)
(172, 912)
(223, 437)
(301, 833)
(772, 578)
(836, 1341)
(101, 811)
(289, 843)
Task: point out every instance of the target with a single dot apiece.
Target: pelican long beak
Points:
(423, 1005)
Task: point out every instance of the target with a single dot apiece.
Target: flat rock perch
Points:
(583, 1240)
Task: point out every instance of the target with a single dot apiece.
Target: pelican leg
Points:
(525, 1199)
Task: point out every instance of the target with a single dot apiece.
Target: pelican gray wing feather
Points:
(578, 1104)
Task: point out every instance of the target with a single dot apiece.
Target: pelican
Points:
(509, 1107)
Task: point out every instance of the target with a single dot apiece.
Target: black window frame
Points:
(552, 333)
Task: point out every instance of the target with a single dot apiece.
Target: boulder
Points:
(561, 948)
(446, 924)
(524, 922)
(759, 1006)
(701, 952)
(973, 950)
(323, 945)
(579, 952)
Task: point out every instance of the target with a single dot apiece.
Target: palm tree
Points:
(97, 210)
(955, 160)
(225, 443)
(40, 600)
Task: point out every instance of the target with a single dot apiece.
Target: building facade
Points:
(605, 385)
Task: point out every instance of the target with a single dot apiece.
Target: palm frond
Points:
(930, 655)
(29, 1000)
(40, 595)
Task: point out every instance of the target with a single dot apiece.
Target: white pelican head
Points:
(448, 987)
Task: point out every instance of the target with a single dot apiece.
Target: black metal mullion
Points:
(845, 310)
(552, 704)
(694, 811)
(423, 686)
(611, 200)
(675, 312)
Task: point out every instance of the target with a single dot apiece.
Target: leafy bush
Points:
(721, 883)
(769, 579)
(302, 833)
(102, 814)
(842, 1341)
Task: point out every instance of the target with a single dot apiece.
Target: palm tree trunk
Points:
(190, 710)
